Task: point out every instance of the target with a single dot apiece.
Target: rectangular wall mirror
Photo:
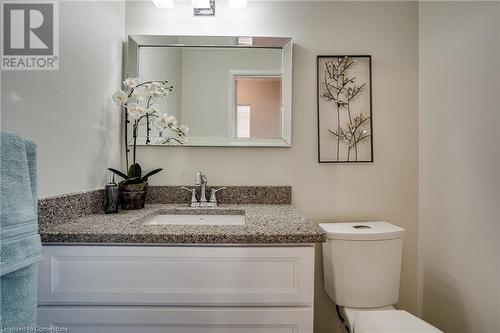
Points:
(229, 91)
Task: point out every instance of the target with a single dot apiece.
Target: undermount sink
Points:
(198, 219)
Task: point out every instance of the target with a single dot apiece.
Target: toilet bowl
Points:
(362, 269)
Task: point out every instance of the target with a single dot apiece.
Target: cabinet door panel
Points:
(170, 276)
(177, 320)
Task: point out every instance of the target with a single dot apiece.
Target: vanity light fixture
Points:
(203, 7)
(164, 3)
(237, 3)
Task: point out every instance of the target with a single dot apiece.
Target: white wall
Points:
(459, 79)
(69, 113)
(384, 190)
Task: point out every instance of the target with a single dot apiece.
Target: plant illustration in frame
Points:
(344, 109)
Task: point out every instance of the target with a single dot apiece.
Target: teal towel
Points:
(20, 242)
(19, 239)
(19, 300)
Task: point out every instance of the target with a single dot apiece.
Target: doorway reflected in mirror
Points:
(259, 100)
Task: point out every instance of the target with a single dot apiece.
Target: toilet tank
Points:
(362, 263)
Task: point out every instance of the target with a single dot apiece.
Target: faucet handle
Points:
(213, 196)
(217, 190)
(194, 202)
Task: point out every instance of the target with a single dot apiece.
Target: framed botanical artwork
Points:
(344, 98)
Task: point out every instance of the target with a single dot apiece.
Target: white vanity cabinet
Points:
(264, 289)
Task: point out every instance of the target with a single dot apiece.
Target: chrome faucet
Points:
(201, 183)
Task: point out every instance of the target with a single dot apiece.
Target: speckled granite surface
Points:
(62, 208)
(66, 207)
(264, 224)
(271, 195)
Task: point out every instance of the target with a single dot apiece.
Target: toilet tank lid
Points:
(362, 230)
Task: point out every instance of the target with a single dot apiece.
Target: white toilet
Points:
(362, 268)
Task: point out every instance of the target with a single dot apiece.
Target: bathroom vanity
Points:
(127, 273)
(246, 266)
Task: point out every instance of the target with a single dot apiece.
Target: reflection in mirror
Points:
(228, 95)
(258, 107)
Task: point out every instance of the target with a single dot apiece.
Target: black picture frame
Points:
(319, 58)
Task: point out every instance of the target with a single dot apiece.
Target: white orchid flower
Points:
(163, 120)
(184, 129)
(153, 108)
(130, 82)
(138, 94)
(155, 93)
(120, 97)
(166, 129)
(166, 120)
(172, 121)
(135, 111)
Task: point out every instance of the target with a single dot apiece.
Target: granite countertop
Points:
(265, 224)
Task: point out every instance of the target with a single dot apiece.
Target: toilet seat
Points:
(390, 321)
(350, 314)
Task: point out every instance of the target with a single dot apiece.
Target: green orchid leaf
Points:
(149, 174)
(135, 180)
(134, 170)
(119, 173)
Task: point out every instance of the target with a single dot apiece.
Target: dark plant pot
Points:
(133, 196)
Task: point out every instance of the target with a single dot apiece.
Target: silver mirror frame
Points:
(135, 42)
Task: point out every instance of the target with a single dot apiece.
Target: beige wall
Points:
(264, 98)
(383, 190)
(460, 165)
(69, 113)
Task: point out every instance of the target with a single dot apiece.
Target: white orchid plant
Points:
(138, 100)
